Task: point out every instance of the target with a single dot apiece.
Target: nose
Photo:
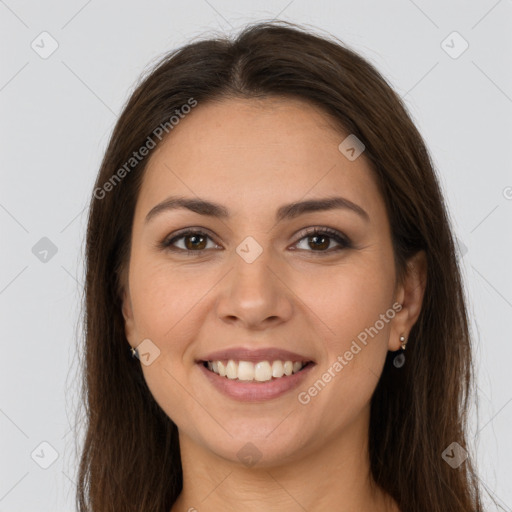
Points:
(256, 295)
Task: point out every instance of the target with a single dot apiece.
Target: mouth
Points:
(255, 375)
(255, 371)
(258, 383)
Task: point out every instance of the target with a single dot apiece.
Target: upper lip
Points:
(254, 355)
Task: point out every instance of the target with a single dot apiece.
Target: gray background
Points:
(57, 113)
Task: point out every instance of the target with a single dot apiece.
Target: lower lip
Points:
(255, 391)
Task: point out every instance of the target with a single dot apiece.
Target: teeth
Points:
(232, 370)
(245, 370)
(277, 369)
(262, 371)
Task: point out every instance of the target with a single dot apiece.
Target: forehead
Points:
(257, 154)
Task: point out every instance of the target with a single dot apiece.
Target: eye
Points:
(319, 239)
(191, 240)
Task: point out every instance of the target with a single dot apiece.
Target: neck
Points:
(333, 474)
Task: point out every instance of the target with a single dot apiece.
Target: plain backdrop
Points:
(58, 110)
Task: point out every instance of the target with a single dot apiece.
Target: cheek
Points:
(348, 299)
(355, 304)
(163, 298)
(166, 302)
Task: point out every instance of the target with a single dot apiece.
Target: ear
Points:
(129, 321)
(410, 295)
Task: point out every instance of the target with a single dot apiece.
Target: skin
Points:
(253, 156)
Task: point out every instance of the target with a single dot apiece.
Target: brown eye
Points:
(195, 242)
(319, 240)
(189, 241)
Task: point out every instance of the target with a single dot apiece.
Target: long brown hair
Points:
(130, 459)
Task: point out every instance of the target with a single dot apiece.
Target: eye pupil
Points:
(324, 245)
(195, 239)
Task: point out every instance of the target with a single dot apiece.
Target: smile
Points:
(252, 390)
(248, 371)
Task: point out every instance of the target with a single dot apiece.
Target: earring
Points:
(399, 359)
(135, 352)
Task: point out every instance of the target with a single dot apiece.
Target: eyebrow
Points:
(287, 211)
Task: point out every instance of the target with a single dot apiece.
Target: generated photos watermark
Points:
(304, 397)
(137, 156)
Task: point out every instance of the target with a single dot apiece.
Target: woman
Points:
(274, 310)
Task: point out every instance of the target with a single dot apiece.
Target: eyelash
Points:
(344, 241)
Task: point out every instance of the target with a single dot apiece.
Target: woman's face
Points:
(255, 285)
